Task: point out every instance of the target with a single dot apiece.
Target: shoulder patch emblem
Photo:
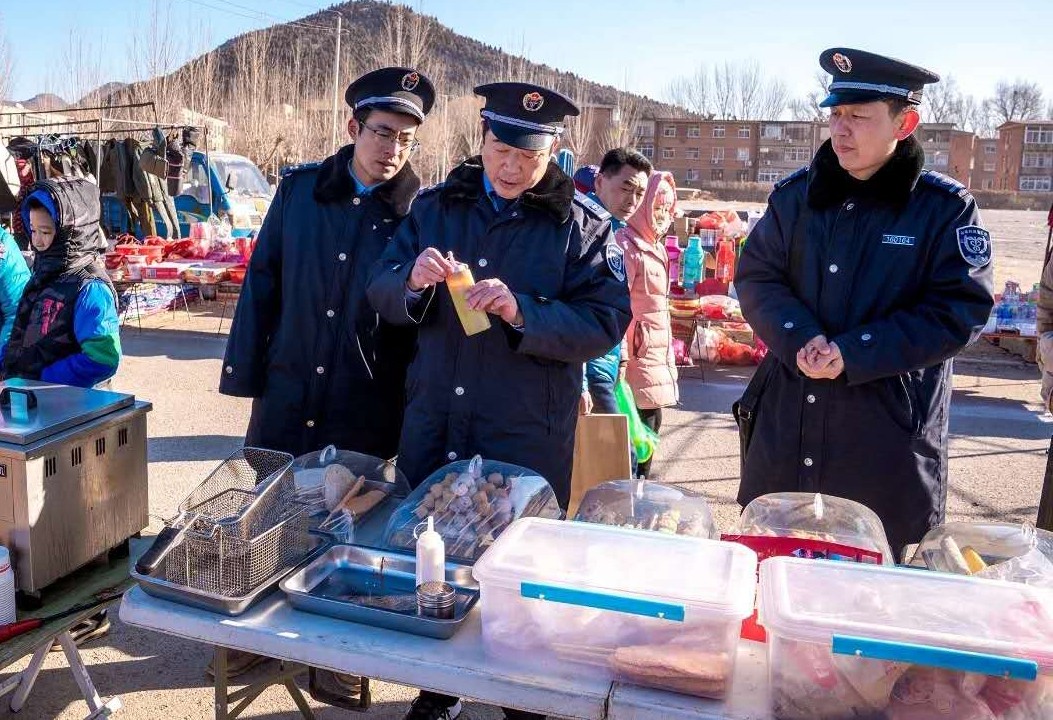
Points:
(591, 205)
(616, 260)
(974, 243)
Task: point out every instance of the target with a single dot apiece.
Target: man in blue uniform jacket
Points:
(319, 363)
(865, 277)
(549, 275)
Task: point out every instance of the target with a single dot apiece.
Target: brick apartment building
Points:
(985, 164)
(1025, 156)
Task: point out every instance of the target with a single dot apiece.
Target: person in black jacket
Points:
(321, 366)
(865, 277)
(552, 281)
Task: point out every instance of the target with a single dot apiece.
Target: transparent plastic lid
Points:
(815, 600)
(816, 517)
(647, 505)
(717, 576)
(1002, 551)
(472, 503)
(330, 479)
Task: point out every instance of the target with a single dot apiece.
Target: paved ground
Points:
(998, 456)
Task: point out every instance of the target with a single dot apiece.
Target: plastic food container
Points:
(850, 640)
(999, 551)
(208, 272)
(165, 271)
(812, 525)
(472, 503)
(651, 609)
(647, 505)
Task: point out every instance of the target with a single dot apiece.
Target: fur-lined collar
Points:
(554, 194)
(829, 184)
(334, 183)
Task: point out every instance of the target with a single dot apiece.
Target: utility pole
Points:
(336, 79)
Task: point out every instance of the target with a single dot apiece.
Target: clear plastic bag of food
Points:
(648, 506)
(822, 526)
(332, 480)
(979, 548)
(472, 503)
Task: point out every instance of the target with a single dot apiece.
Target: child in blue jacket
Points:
(66, 326)
(14, 274)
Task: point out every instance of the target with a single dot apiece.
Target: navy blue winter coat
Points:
(507, 394)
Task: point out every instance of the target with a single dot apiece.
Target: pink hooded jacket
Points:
(648, 344)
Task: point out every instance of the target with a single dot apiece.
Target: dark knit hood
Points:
(830, 184)
(335, 184)
(554, 193)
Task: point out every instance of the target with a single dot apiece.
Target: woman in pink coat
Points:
(648, 344)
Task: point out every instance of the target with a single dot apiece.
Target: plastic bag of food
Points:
(926, 693)
(333, 480)
(706, 345)
(647, 506)
(720, 307)
(969, 548)
(472, 503)
(644, 440)
(812, 525)
(1031, 568)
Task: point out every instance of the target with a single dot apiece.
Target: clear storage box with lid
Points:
(849, 640)
(651, 609)
(831, 524)
(472, 501)
(647, 505)
(1001, 551)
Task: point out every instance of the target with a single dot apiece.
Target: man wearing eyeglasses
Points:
(321, 366)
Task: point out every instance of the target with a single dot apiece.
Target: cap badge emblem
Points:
(533, 101)
(410, 81)
(842, 62)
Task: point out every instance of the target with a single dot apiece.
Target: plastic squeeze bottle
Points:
(473, 321)
(431, 555)
(672, 249)
(693, 258)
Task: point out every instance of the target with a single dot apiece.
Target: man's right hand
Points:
(820, 359)
(430, 268)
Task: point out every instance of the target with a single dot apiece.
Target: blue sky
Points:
(613, 42)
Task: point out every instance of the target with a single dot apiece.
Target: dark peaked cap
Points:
(861, 77)
(524, 115)
(395, 89)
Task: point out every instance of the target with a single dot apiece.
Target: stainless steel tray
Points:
(202, 600)
(320, 586)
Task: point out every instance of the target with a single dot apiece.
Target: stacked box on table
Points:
(641, 607)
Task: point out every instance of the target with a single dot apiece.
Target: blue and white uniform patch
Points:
(974, 243)
(907, 240)
(616, 260)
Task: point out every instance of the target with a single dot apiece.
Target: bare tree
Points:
(730, 90)
(580, 134)
(724, 90)
(807, 108)
(943, 103)
(976, 117)
(404, 39)
(1019, 100)
(693, 92)
(622, 130)
(7, 63)
(773, 100)
(82, 70)
(154, 53)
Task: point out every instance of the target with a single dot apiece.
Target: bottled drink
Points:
(672, 249)
(726, 261)
(693, 259)
(473, 321)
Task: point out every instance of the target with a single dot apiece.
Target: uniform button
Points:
(342, 257)
(788, 325)
(458, 391)
(833, 268)
(310, 423)
(850, 206)
(515, 213)
(808, 462)
(330, 313)
(451, 455)
(811, 399)
(320, 370)
(229, 370)
(482, 262)
(356, 201)
(865, 337)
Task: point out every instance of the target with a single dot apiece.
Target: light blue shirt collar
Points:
(360, 187)
(616, 224)
(496, 200)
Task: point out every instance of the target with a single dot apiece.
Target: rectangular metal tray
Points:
(220, 604)
(306, 589)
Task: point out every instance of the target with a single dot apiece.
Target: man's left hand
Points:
(821, 367)
(493, 296)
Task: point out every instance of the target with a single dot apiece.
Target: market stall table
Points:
(459, 665)
(122, 285)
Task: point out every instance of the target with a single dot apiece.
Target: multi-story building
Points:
(784, 147)
(1025, 156)
(985, 164)
(703, 151)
